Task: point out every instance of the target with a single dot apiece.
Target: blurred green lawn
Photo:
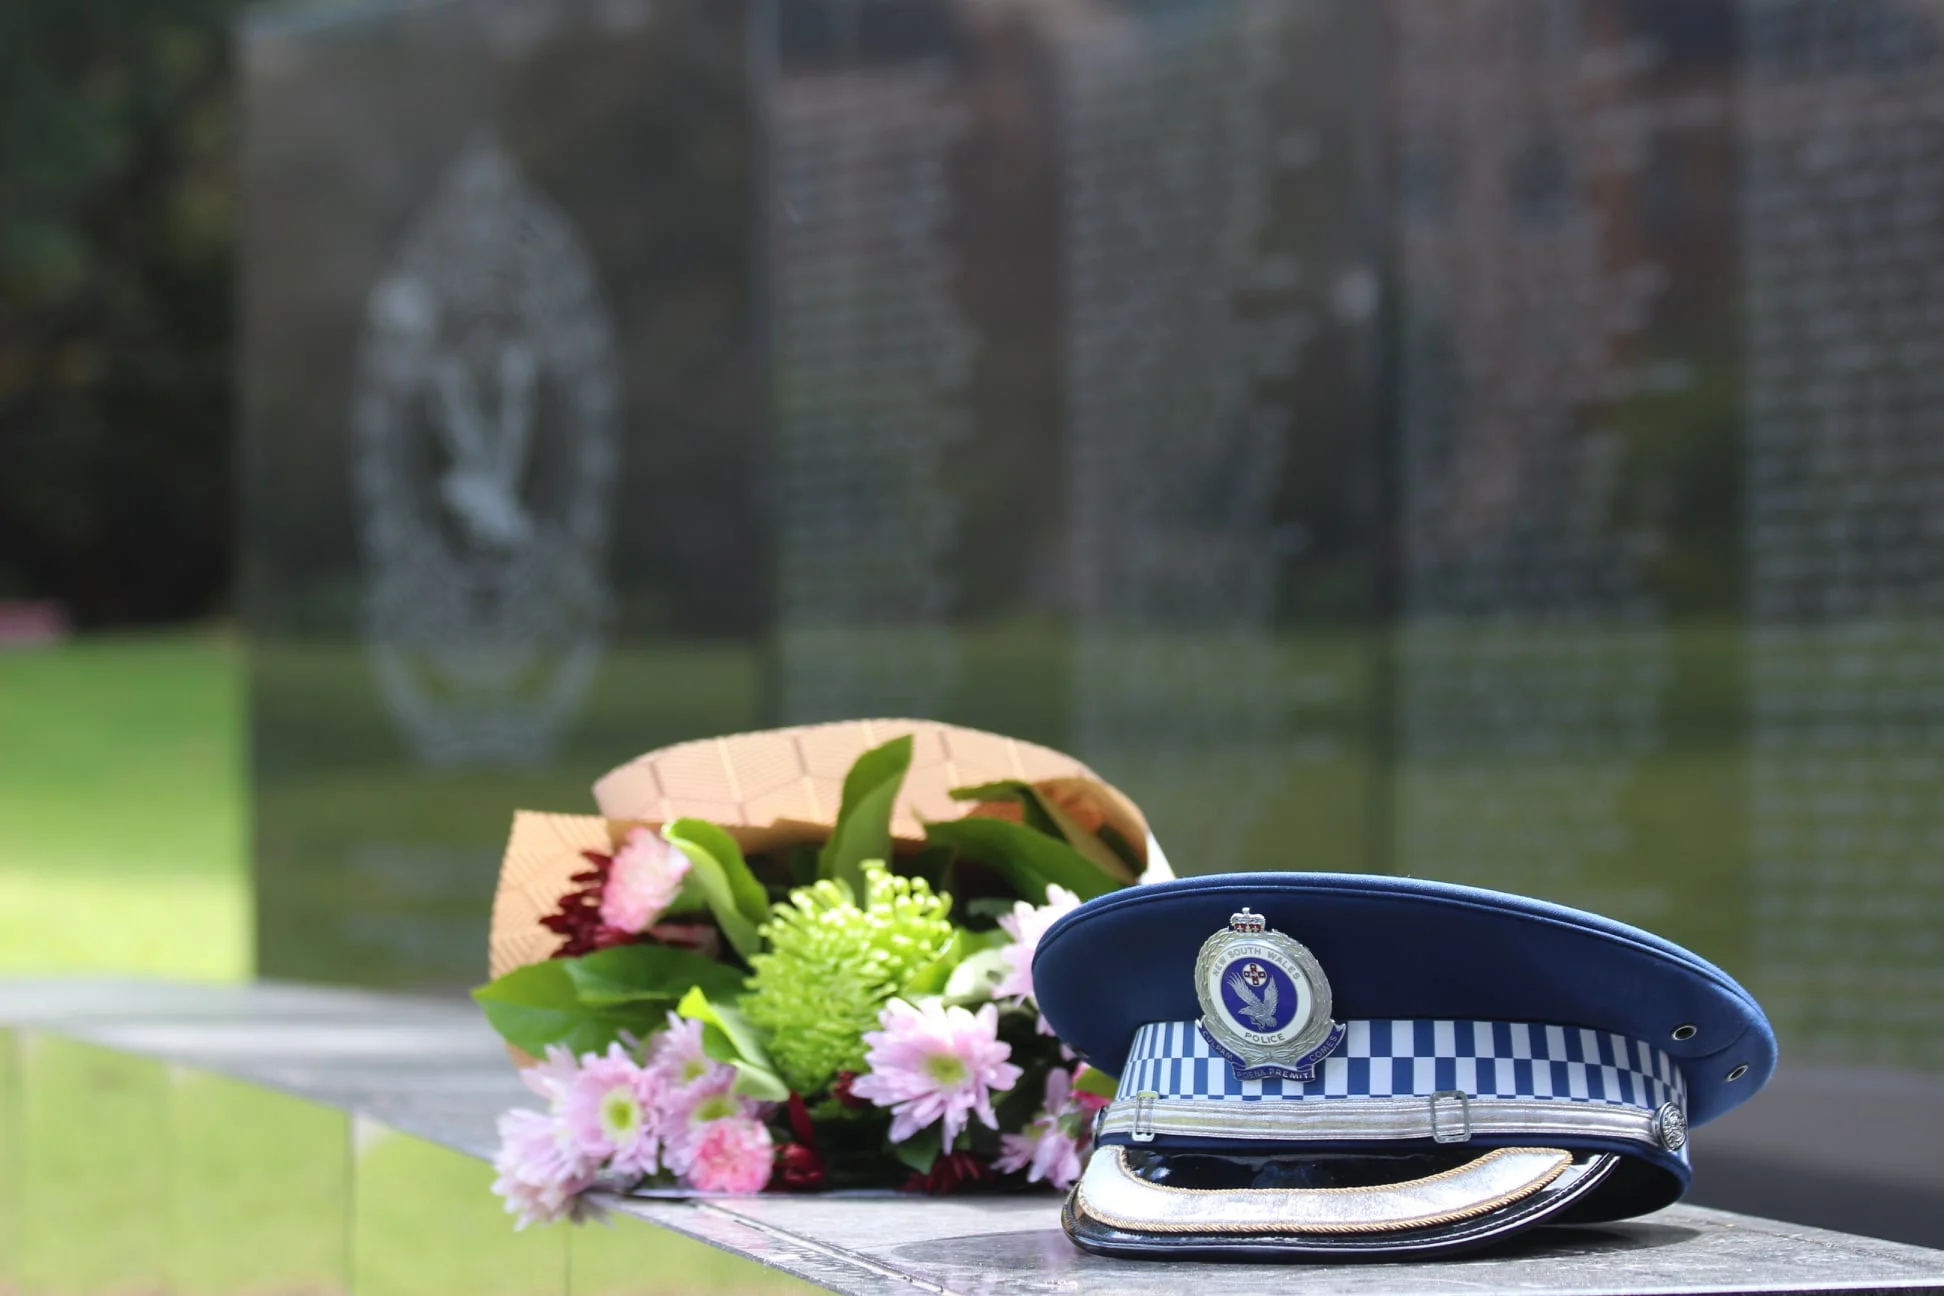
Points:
(123, 808)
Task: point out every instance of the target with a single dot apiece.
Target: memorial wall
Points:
(1493, 441)
(504, 443)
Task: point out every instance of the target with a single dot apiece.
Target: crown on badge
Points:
(1250, 924)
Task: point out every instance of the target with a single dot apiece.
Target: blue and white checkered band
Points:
(1526, 1077)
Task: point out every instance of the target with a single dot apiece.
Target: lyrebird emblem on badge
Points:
(1265, 1001)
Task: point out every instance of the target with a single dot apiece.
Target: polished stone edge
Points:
(801, 1257)
(432, 1069)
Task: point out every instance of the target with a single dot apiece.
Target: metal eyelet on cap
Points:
(1687, 1031)
(1738, 1073)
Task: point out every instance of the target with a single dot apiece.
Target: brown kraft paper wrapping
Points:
(769, 789)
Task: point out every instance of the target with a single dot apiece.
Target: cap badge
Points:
(1265, 1001)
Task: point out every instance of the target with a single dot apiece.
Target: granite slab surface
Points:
(431, 1068)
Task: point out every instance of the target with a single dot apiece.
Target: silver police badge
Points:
(1265, 1001)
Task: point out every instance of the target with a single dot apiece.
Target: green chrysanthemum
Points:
(831, 966)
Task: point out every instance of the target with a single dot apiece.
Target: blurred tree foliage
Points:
(117, 224)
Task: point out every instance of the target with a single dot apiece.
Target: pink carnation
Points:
(541, 1173)
(1053, 1143)
(643, 881)
(935, 1064)
(733, 1155)
(612, 1112)
(1026, 924)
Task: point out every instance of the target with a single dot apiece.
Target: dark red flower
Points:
(578, 919)
(951, 1172)
(799, 1166)
(800, 1125)
(840, 1089)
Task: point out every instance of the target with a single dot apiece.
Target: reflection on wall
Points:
(1533, 658)
(485, 460)
(870, 356)
(497, 418)
(1181, 318)
(1843, 237)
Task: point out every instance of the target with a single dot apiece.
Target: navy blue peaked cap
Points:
(1397, 948)
(1323, 1064)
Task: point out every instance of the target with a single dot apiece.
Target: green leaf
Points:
(863, 828)
(972, 980)
(1048, 816)
(720, 873)
(1000, 790)
(641, 973)
(930, 979)
(743, 1038)
(1028, 859)
(728, 1037)
(803, 864)
(1122, 848)
(751, 900)
(1094, 1081)
(538, 1005)
(754, 1082)
(690, 899)
(920, 1150)
(1032, 806)
(1088, 844)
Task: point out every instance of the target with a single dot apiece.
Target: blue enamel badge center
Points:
(1265, 1001)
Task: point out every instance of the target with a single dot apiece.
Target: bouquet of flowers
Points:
(720, 987)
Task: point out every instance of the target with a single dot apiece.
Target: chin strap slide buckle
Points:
(1447, 1126)
(1144, 1116)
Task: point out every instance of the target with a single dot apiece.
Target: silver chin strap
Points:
(1448, 1117)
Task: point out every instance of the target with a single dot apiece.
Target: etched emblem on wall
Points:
(484, 429)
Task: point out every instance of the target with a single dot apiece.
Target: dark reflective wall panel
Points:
(1494, 441)
(1072, 317)
(502, 522)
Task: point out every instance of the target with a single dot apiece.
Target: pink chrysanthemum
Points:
(733, 1155)
(642, 883)
(935, 1064)
(541, 1173)
(1026, 924)
(1053, 1143)
(678, 1057)
(612, 1112)
(553, 1078)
